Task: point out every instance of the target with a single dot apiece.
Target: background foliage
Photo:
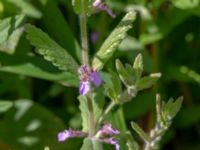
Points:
(38, 100)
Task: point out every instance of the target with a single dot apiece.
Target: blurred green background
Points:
(37, 100)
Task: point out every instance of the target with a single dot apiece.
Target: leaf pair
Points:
(132, 78)
(62, 59)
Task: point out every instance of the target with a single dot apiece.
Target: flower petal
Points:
(100, 6)
(95, 78)
(84, 87)
(109, 130)
(114, 142)
(62, 136)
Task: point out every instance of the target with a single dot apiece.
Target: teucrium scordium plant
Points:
(96, 129)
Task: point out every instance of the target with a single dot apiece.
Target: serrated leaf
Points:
(36, 67)
(51, 50)
(112, 42)
(98, 101)
(60, 29)
(5, 105)
(98, 104)
(8, 25)
(82, 6)
(26, 8)
(147, 82)
(84, 113)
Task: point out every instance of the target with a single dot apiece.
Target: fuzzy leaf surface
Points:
(51, 50)
(113, 41)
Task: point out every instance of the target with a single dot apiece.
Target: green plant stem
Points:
(91, 117)
(84, 37)
(85, 61)
(108, 109)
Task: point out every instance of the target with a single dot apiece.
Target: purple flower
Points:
(88, 76)
(66, 134)
(95, 78)
(107, 135)
(113, 141)
(100, 6)
(84, 87)
(109, 130)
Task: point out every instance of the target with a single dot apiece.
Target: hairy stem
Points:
(85, 61)
(91, 117)
(84, 37)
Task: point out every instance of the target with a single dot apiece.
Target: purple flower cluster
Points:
(87, 76)
(106, 135)
(107, 129)
(66, 134)
(101, 6)
(114, 142)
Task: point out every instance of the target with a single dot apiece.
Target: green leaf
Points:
(10, 45)
(185, 4)
(112, 42)
(51, 50)
(8, 25)
(32, 127)
(90, 145)
(114, 90)
(60, 29)
(87, 4)
(84, 113)
(118, 121)
(98, 101)
(171, 108)
(26, 8)
(131, 143)
(36, 67)
(126, 74)
(128, 94)
(5, 106)
(147, 82)
(130, 44)
(87, 144)
(138, 66)
(140, 132)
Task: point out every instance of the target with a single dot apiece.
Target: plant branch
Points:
(85, 61)
(84, 36)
